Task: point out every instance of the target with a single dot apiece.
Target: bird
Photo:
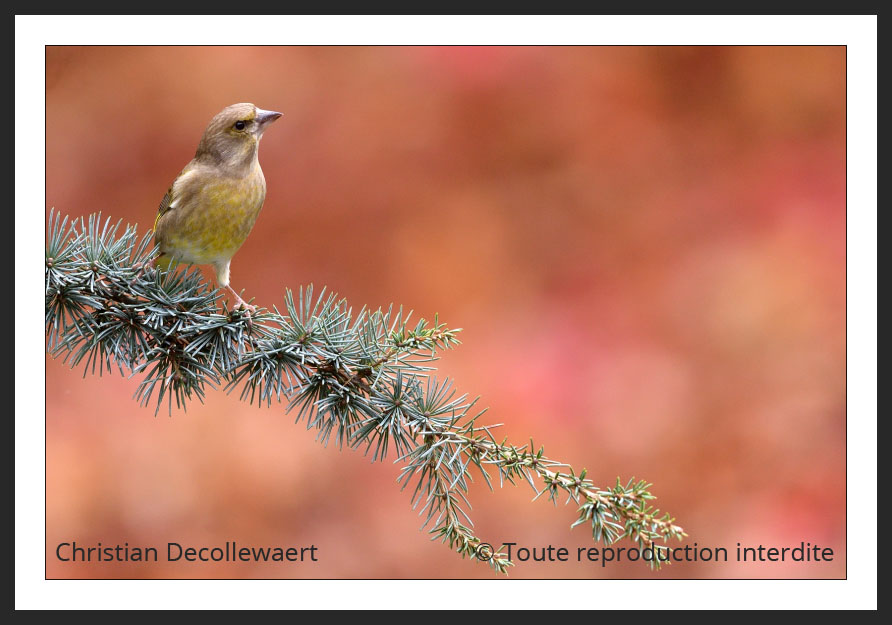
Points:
(209, 210)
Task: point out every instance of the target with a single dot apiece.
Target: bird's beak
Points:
(265, 118)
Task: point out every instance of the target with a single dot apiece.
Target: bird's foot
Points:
(249, 309)
(240, 303)
(149, 264)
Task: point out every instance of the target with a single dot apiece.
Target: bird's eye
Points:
(239, 125)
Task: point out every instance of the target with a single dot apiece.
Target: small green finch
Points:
(212, 205)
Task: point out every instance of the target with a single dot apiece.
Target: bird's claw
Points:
(140, 271)
(249, 309)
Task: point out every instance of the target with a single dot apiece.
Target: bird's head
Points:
(232, 136)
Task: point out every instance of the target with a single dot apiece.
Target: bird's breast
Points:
(216, 218)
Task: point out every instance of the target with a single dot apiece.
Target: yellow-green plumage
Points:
(213, 215)
(212, 205)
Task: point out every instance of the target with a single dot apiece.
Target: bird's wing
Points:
(169, 201)
(164, 207)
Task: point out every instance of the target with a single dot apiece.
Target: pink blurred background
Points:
(644, 245)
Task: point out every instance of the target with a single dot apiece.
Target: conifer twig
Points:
(361, 379)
